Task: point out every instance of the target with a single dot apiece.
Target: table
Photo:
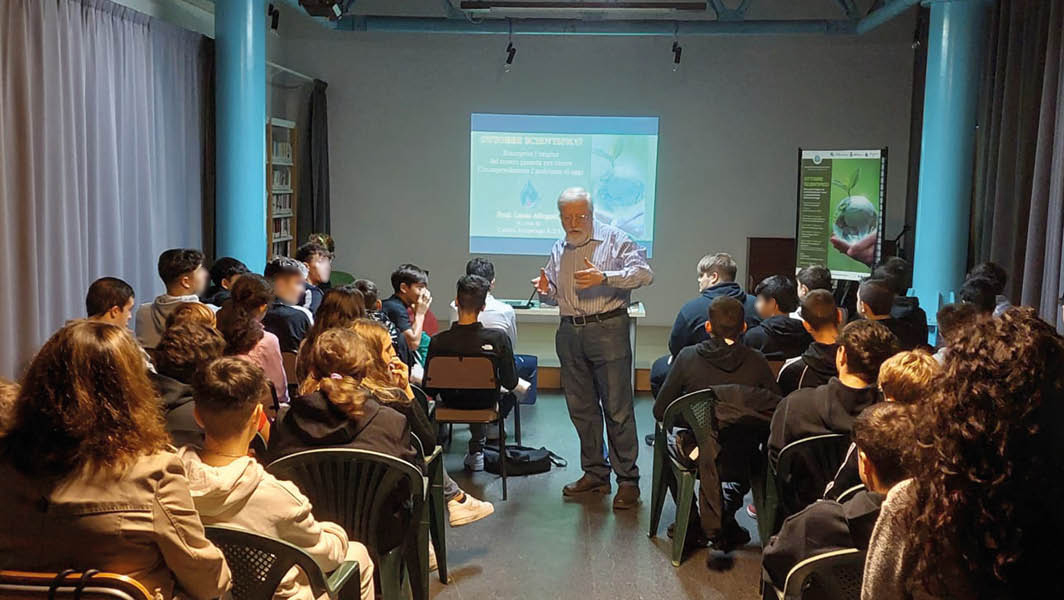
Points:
(545, 313)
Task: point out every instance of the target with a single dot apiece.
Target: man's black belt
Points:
(585, 319)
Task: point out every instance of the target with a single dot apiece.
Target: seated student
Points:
(184, 349)
(875, 298)
(883, 435)
(284, 317)
(778, 336)
(192, 312)
(716, 278)
(905, 378)
(410, 285)
(980, 293)
(499, 315)
(390, 372)
(832, 407)
(336, 410)
(223, 272)
(241, 323)
(371, 298)
(811, 278)
(318, 260)
(340, 308)
(231, 488)
(185, 279)
(898, 274)
(822, 319)
(88, 480)
(468, 337)
(998, 277)
(981, 520)
(110, 300)
(743, 379)
(953, 320)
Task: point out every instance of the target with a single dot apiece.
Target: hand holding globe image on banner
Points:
(856, 223)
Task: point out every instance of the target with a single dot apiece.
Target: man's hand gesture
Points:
(589, 277)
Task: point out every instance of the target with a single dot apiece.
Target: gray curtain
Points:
(100, 168)
(313, 216)
(1019, 193)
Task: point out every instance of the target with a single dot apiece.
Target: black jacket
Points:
(907, 310)
(690, 325)
(177, 404)
(813, 368)
(830, 408)
(288, 323)
(474, 340)
(216, 296)
(778, 338)
(821, 527)
(909, 336)
(746, 398)
(310, 422)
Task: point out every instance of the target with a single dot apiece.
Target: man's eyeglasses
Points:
(575, 218)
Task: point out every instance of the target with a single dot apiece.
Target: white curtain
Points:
(101, 113)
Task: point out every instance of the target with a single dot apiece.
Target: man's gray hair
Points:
(576, 194)
(720, 263)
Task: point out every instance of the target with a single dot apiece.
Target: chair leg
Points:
(685, 492)
(450, 435)
(390, 572)
(417, 561)
(502, 456)
(658, 488)
(517, 423)
(437, 519)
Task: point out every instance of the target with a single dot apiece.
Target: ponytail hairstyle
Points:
(239, 319)
(337, 366)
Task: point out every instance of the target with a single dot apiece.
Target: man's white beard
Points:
(577, 239)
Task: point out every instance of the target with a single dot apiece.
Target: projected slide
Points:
(519, 164)
(840, 210)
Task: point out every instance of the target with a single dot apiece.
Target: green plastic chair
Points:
(366, 492)
(436, 519)
(697, 409)
(258, 563)
(835, 575)
(422, 398)
(339, 278)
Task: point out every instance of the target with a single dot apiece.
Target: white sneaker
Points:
(468, 511)
(432, 559)
(474, 462)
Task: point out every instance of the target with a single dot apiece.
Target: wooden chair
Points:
(86, 585)
(376, 498)
(464, 374)
(697, 410)
(258, 563)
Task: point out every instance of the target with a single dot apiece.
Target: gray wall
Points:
(731, 122)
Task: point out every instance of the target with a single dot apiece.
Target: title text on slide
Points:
(532, 140)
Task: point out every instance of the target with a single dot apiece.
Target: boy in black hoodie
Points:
(816, 365)
(832, 407)
(716, 278)
(746, 391)
(779, 336)
(897, 273)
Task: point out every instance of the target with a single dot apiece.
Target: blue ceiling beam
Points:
(660, 28)
(883, 14)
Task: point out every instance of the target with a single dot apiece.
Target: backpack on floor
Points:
(522, 460)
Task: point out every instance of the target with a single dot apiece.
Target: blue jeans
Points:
(528, 369)
(596, 365)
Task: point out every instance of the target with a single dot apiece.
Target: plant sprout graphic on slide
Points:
(855, 228)
(619, 191)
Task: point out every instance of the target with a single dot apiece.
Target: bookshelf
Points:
(281, 187)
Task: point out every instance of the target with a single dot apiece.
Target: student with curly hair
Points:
(89, 482)
(240, 321)
(982, 518)
(339, 308)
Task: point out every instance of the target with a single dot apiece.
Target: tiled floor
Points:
(538, 545)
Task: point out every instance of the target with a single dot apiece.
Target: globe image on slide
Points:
(855, 218)
(618, 183)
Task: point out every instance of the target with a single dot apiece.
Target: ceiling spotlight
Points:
(677, 54)
(511, 50)
(275, 16)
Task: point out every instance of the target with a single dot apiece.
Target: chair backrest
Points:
(288, 359)
(421, 397)
(806, 466)
(377, 498)
(258, 563)
(92, 585)
(834, 575)
(698, 410)
(460, 373)
(850, 493)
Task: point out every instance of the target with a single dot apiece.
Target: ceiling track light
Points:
(677, 54)
(511, 50)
